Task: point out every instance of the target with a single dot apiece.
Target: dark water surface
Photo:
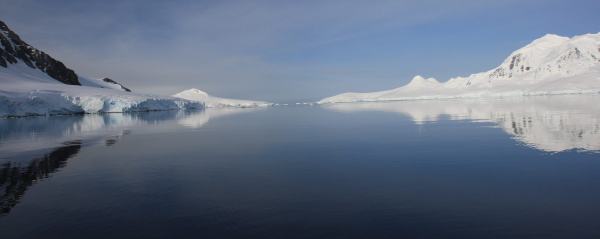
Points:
(524, 168)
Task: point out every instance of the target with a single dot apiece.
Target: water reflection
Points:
(548, 123)
(17, 177)
(200, 119)
(32, 149)
(44, 133)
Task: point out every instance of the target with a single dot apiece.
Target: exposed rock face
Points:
(108, 80)
(13, 49)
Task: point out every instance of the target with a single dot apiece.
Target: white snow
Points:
(26, 91)
(197, 95)
(549, 65)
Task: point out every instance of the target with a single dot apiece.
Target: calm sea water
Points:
(518, 168)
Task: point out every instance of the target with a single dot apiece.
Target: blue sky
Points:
(288, 50)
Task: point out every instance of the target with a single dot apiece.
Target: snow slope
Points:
(196, 95)
(549, 65)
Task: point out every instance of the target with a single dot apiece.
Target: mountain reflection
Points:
(16, 178)
(548, 123)
(38, 133)
(32, 149)
(199, 119)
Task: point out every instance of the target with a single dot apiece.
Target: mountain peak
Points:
(418, 78)
(422, 81)
(551, 36)
(547, 41)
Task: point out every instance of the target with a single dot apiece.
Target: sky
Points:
(284, 51)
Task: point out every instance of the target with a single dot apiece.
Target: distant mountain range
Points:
(551, 64)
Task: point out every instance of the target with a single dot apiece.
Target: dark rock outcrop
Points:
(12, 49)
(108, 80)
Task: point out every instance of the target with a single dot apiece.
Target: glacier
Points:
(549, 65)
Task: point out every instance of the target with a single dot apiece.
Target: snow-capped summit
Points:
(547, 41)
(551, 64)
(419, 82)
(551, 55)
(197, 95)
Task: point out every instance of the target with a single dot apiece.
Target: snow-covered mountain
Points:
(549, 65)
(34, 83)
(218, 102)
